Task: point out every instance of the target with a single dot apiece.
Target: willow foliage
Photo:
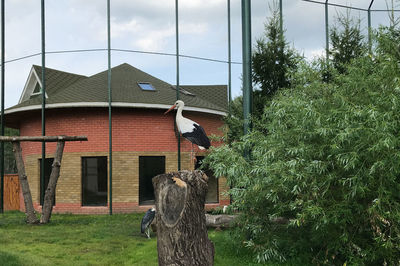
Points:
(325, 158)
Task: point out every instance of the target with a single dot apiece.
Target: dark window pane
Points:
(94, 181)
(149, 167)
(37, 89)
(212, 191)
(48, 162)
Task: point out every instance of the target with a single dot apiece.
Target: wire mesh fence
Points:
(143, 34)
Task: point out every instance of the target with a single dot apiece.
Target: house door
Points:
(149, 167)
(48, 162)
(94, 181)
(212, 190)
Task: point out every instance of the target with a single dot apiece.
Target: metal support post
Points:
(177, 73)
(109, 108)
(281, 18)
(229, 59)
(246, 53)
(2, 106)
(327, 32)
(370, 28)
(42, 187)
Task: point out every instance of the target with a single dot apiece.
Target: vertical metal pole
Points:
(109, 107)
(2, 107)
(369, 31)
(281, 18)
(246, 53)
(370, 27)
(42, 188)
(229, 58)
(177, 74)
(327, 32)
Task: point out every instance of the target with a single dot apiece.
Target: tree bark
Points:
(182, 237)
(51, 187)
(23, 180)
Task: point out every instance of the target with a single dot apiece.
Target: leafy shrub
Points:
(326, 157)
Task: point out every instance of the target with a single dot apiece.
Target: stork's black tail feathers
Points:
(198, 137)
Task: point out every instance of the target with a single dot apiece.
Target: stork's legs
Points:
(193, 158)
(147, 232)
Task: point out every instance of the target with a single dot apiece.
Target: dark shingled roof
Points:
(57, 80)
(63, 87)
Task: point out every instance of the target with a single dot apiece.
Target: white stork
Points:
(189, 129)
(147, 220)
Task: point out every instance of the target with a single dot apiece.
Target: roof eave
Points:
(113, 104)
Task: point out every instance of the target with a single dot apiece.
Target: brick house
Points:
(144, 139)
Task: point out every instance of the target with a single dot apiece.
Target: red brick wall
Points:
(133, 129)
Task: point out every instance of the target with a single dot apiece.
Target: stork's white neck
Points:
(179, 113)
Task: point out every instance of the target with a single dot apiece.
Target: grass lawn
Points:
(92, 240)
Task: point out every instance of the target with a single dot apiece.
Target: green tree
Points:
(389, 42)
(273, 66)
(325, 158)
(273, 62)
(347, 42)
(234, 120)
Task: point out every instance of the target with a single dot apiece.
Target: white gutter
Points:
(114, 104)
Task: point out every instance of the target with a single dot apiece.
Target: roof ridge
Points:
(132, 67)
(57, 70)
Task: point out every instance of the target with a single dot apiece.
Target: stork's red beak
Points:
(170, 109)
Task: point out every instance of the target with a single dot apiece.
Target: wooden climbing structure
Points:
(55, 173)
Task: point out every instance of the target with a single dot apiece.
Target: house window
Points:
(212, 191)
(48, 162)
(94, 181)
(149, 167)
(37, 89)
(146, 86)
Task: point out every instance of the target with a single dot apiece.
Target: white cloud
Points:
(154, 40)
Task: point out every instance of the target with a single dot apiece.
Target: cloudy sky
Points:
(149, 26)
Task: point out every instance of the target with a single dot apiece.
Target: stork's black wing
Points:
(198, 136)
(147, 219)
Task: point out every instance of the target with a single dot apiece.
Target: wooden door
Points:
(11, 192)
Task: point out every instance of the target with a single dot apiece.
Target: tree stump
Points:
(182, 237)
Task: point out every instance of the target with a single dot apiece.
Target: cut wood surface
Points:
(182, 237)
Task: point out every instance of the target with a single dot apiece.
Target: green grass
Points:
(92, 240)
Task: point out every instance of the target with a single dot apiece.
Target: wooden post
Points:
(182, 237)
(51, 187)
(23, 180)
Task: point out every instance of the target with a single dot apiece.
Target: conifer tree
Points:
(347, 42)
(273, 61)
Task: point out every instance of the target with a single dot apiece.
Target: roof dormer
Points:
(33, 87)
